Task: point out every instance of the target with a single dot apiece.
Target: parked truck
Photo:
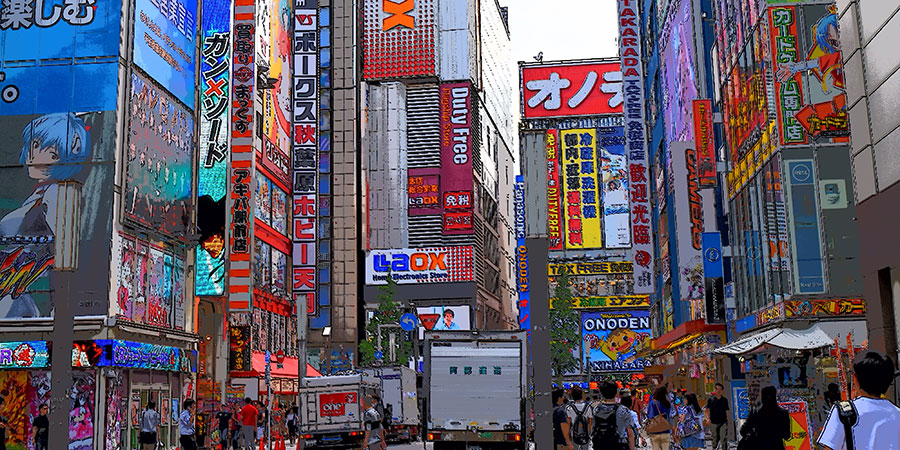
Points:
(331, 413)
(398, 385)
(476, 384)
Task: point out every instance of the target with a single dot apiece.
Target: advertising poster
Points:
(81, 416)
(777, 233)
(636, 143)
(444, 318)
(239, 348)
(609, 301)
(677, 67)
(164, 44)
(580, 89)
(612, 340)
(801, 430)
(147, 290)
(704, 142)
(392, 35)
(211, 173)
(613, 165)
(420, 265)
(522, 256)
(554, 192)
(714, 277)
(583, 197)
(274, 154)
(806, 244)
(456, 158)
(424, 191)
(690, 261)
(741, 399)
(783, 22)
(157, 192)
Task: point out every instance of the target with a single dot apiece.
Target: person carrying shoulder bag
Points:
(658, 426)
(149, 427)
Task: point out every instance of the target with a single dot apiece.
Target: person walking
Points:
(235, 430)
(578, 415)
(768, 427)
(223, 417)
(659, 429)
(149, 427)
(249, 415)
(41, 427)
(374, 435)
(186, 426)
(637, 405)
(628, 402)
(613, 428)
(717, 418)
(292, 423)
(690, 427)
(561, 440)
(873, 421)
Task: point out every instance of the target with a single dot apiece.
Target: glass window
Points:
(324, 162)
(324, 17)
(325, 78)
(324, 120)
(324, 228)
(324, 295)
(324, 37)
(324, 206)
(324, 141)
(324, 58)
(324, 251)
(324, 276)
(325, 186)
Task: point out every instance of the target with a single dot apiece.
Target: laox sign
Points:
(401, 262)
(398, 14)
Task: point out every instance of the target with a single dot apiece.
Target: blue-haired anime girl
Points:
(54, 149)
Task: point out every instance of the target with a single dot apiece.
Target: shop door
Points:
(141, 395)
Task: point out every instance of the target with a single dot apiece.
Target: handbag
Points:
(691, 424)
(749, 440)
(658, 423)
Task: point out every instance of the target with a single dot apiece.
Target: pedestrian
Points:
(4, 425)
(236, 429)
(249, 415)
(186, 426)
(224, 420)
(717, 417)
(579, 419)
(873, 421)
(659, 412)
(637, 405)
(628, 402)
(374, 435)
(149, 427)
(561, 440)
(690, 427)
(768, 427)
(41, 427)
(832, 396)
(613, 428)
(292, 423)
(261, 421)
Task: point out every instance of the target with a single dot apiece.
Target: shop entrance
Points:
(166, 405)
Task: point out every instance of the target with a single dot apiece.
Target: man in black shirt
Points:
(224, 419)
(560, 423)
(717, 416)
(41, 428)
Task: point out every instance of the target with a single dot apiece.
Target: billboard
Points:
(783, 22)
(677, 72)
(704, 142)
(714, 277)
(609, 301)
(612, 340)
(613, 166)
(424, 191)
(59, 174)
(636, 144)
(583, 201)
(456, 158)
(305, 154)
(688, 207)
(806, 242)
(211, 172)
(273, 154)
(163, 44)
(571, 89)
(399, 38)
(420, 265)
(522, 256)
(554, 192)
(590, 268)
(444, 318)
(149, 283)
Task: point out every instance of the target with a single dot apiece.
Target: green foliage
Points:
(388, 313)
(565, 329)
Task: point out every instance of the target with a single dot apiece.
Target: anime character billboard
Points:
(57, 172)
(612, 340)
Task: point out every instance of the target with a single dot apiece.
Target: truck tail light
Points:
(306, 436)
(356, 433)
(434, 436)
(513, 437)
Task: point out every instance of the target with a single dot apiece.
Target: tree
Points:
(565, 329)
(388, 313)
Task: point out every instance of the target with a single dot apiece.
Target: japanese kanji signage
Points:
(305, 154)
(590, 268)
(399, 38)
(554, 192)
(456, 158)
(788, 91)
(424, 191)
(581, 89)
(240, 176)
(583, 201)
(705, 143)
(636, 144)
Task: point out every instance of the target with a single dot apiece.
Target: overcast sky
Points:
(562, 29)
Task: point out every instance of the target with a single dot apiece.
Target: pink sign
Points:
(456, 157)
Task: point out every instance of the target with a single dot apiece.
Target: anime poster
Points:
(279, 210)
(678, 73)
(279, 269)
(150, 286)
(613, 165)
(58, 174)
(136, 409)
(612, 340)
(278, 17)
(13, 388)
(116, 413)
(38, 394)
(157, 192)
(81, 415)
(824, 116)
(263, 266)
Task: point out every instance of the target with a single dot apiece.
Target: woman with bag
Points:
(658, 426)
(690, 427)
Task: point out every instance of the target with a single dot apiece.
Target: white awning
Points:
(819, 335)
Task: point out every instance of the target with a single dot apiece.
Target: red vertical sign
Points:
(705, 143)
(553, 192)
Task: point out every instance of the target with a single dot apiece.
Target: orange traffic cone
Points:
(261, 444)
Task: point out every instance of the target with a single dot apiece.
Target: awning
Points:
(819, 335)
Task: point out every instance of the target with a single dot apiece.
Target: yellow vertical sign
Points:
(583, 203)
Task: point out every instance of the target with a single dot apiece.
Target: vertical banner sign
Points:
(714, 277)
(212, 171)
(456, 158)
(705, 143)
(788, 85)
(636, 144)
(695, 203)
(521, 256)
(613, 167)
(582, 198)
(554, 192)
(801, 430)
(240, 190)
(305, 154)
(809, 272)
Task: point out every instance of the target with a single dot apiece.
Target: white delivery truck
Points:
(476, 384)
(398, 385)
(331, 414)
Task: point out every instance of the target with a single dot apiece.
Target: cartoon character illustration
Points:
(621, 344)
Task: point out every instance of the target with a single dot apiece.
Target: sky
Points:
(562, 29)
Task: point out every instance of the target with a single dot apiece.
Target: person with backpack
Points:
(690, 427)
(768, 427)
(870, 421)
(561, 440)
(613, 427)
(659, 426)
(579, 419)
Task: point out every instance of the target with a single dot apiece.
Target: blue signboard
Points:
(713, 274)
(408, 322)
(612, 340)
(140, 355)
(745, 323)
(24, 355)
(164, 44)
(809, 270)
(522, 257)
(741, 399)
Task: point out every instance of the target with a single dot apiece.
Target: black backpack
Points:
(606, 428)
(580, 434)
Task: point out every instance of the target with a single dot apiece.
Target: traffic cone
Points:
(262, 446)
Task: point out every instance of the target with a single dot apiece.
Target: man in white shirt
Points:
(877, 424)
(582, 408)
